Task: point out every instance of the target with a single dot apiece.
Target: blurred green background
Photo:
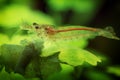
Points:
(92, 13)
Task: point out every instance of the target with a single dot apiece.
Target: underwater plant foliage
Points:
(25, 56)
(42, 59)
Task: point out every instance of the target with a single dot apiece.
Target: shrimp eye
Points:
(36, 27)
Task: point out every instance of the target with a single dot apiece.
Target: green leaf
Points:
(76, 56)
(49, 65)
(49, 49)
(12, 16)
(13, 76)
(81, 43)
(64, 74)
(4, 75)
(59, 5)
(97, 75)
(114, 70)
(16, 76)
(3, 39)
(9, 54)
(77, 5)
(43, 67)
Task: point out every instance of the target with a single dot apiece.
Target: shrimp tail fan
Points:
(108, 32)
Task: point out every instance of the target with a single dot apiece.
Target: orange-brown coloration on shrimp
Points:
(52, 31)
